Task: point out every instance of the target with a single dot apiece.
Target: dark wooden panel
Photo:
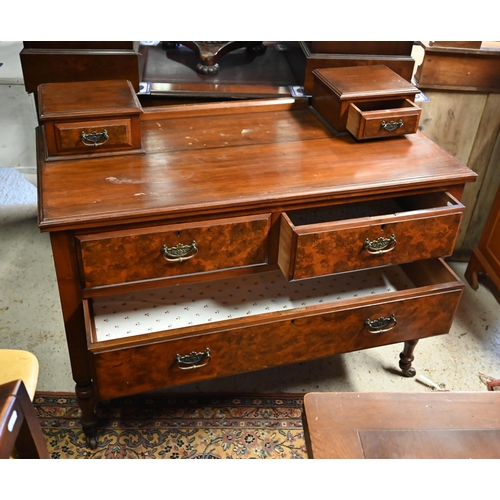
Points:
(80, 45)
(366, 47)
(53, 65)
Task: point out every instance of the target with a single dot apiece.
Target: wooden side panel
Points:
(287, 247)
(452, 120)
(467, 125)
(485, 160)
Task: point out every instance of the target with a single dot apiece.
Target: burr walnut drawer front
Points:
(167, 337)
(114, 134)
(173, 250)
(327, 240)
(374, 119)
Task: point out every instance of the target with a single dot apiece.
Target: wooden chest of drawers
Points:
(247, 236)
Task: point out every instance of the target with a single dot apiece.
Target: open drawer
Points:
(373, 119)
(166, 337)
(334, 239)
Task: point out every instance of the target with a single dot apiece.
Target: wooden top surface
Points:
(403, 425)
(202, 159)
(87, 99)
(364, 81)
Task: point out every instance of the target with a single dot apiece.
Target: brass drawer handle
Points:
(381, 325)
(380, 245)
(192, 361)
(180, 252)
(391, 126)
(94, 139)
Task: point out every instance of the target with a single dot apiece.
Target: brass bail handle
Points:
(180, 252)
(381, 325)
(380, 245)
(392, 125)
(193, 360)
(94, 139)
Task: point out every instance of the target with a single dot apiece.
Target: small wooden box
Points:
(367, 101)
(90, 118)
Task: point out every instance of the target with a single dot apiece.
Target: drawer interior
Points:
(169, 309)
(383, 105)
(372, 209)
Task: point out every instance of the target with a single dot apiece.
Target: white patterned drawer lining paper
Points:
(184, 306)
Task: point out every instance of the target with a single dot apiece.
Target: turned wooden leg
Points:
(406, 357)
(86, 401)
(473, 269)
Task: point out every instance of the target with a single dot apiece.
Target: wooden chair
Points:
(20, 431)
(19, 426)
(16, 364)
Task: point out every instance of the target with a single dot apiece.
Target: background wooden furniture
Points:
(450, 66)
(234, 196)
(403, 425)
(73, 61)
(19, 425)
(485, 259)
(465, 121)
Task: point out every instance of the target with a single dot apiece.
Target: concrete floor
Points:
(30, 316)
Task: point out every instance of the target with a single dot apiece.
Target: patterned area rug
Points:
(177, 427)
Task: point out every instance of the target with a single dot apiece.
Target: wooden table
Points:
(403, 425)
